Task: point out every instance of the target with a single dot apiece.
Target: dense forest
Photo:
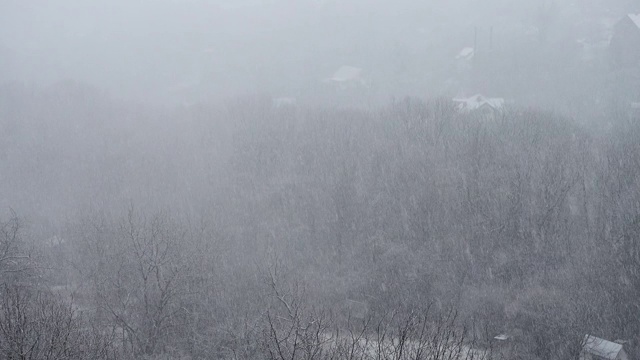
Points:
(240, 230)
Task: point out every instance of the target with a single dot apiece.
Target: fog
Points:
(186, 51)
(319, 179)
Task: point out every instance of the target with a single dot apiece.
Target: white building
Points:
(595, 348)
(347, 76)
(480, 104)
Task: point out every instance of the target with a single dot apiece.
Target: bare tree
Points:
(14, 260)
(139, 268)
(296, 330)
(36, 324)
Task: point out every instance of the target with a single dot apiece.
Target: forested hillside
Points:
(240, 230)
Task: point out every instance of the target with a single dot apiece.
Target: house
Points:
(465, 54)
(346, 76)
(624, 45)
(479, 104)
(595, 348)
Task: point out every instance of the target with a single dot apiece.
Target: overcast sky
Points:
(165, 49)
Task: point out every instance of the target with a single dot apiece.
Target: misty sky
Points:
(197, 48)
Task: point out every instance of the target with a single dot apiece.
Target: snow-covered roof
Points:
(635, 18)
(601, 347)
(478, 101)
(346, 73)
(55, 240)
(466, 53)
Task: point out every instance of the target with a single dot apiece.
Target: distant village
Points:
(578, 58)
(579, 77)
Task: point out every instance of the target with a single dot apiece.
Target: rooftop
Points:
(346, 73)
(635, 18)
(478, 101)
(466, 53)
(601, 347)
